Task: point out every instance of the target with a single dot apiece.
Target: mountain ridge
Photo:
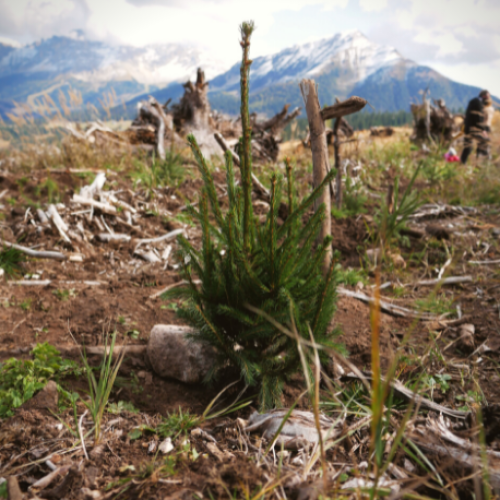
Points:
(344, 64)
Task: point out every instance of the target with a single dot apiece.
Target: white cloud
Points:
(483, 76)
(443, 33)
(9, 41)
(448, 44)
(373, 5)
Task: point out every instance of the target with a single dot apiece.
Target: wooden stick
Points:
(450, 280)
(386, 306)
(106, 237)
(80, 433)
(35, 253)
(409, 395)
(344, 108)
(48, 282)
(165, 237)
(60, 225)
(257, 185)
(103, 207)
(484, 262)
(336, 149)
(321, 165)
(169, 287)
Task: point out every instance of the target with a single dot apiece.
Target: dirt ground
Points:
(124, 300)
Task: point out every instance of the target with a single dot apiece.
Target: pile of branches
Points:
(159, 124)
(434, 122)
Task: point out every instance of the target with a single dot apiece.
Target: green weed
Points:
(25, 305)
(64, 295)
(122, 406)
(177, 423)
(100, 389)
(437, 304)
(11, 261)
(21, 379)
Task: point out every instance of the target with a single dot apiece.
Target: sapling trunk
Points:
(246, 142)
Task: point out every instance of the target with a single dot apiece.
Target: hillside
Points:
(97, 71)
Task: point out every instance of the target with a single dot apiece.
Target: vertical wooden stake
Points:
(321, 165)
(336, 148)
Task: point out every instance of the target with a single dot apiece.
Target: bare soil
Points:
(123, 302)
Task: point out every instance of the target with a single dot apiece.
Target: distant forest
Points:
(358, 121)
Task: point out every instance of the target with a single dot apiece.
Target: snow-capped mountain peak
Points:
(350, 53)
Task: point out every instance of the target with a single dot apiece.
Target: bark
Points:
(336, 148)
(344, 108)
(320, 160)
(193, 111)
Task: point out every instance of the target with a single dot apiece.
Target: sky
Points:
(459, 38)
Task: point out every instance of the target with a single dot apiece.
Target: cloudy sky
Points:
(460, 38)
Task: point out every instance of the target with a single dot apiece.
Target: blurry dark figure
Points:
(475, 126)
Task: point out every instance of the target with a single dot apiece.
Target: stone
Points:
(173, 355)
(46, 399)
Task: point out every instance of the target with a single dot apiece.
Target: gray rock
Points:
(172, 355)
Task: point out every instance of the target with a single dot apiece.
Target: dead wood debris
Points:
(434, 122)
(112, 218)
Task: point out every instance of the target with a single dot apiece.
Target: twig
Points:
(80, 433)
(409, 395)
(169, 287)
(107, 237)
(34, 253)
(451, 280)
(103, 207)
(165, 237)
(257, 185)
(484, 262)
(387, 307)
(56, 219)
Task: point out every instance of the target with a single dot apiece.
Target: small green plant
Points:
(168, 172)
(351, 276)
(185, 219)
(25, 305)
(246, 266)
(391, 222)
(122, 406)
(175, 424)
(100, 389)
(133, 334)
(51, 188)
(11, 261)
(21, 379)
(64, 295)
(437, 304)
(353, 201)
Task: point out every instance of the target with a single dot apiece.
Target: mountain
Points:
(343, 65)
(70, 69)
(100, 73)
(350, 56)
